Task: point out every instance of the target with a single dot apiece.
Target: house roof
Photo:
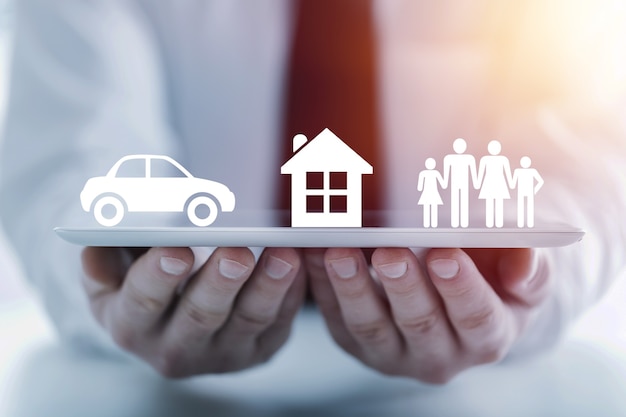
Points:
(326, 152)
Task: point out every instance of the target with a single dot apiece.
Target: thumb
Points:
(106, 267)
(523, 274)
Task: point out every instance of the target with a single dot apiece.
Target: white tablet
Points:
(364, 237)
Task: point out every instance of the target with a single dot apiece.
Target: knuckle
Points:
(384, 367)
(264, 356)
(492, 352)
(374, 332)
(353, 292)
(202, 317)
(346, 342)
(438, 376)
(268, 344)
(402, 366)
(223, 285)
(492, 356)
(230, 363)
(137, 298)
(252, 321)
(124, 337)
(456, 292)
(434, 371)
(169, 362)
(422, 324)
(402, 287)
(484, 317)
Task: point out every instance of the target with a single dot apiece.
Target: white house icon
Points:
(326, 183)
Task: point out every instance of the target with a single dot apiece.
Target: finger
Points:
(260, 300)
(363, 311)
(326, 299)
(104, 271)
(104, 268)
(488, 261)
(277, 334)
(524, 276)
(481, 320)
(415, 304)
(147, 293)
(208, 300)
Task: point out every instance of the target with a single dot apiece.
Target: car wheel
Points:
(108, 211)
(207, 208)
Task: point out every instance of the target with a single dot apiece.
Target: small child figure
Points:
(430, 198)
(524, 179)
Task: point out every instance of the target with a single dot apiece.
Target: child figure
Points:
(430, 198)
(524, 178)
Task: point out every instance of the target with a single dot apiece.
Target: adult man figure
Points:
(457, 169)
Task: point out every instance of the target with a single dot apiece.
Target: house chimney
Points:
(298, 141)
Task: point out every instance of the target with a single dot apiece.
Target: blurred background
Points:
(585, 374)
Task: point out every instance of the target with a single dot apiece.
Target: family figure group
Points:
(493, 178)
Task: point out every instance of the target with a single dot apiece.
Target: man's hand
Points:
(428, 319)
(229, 316)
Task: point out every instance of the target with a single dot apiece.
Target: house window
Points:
(338, 203)
(326, 192)
(314, 203)
(338, 180)
(314, 180)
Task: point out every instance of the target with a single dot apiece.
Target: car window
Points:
(161, 168)
(132, 168)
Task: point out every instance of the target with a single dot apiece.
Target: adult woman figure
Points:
(494, 181)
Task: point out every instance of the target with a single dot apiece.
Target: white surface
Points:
(321, 237)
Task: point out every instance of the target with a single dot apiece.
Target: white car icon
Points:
(134, 185)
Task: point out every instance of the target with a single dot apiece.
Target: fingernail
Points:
(173, 266)
(394, 270)
(445, 268)
(231, 269)
(277, 268)
(345, 267)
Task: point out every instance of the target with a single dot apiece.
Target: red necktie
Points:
(332, 84)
